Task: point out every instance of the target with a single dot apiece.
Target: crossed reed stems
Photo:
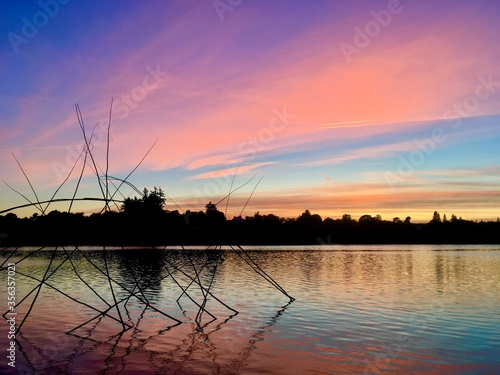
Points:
(104, 181)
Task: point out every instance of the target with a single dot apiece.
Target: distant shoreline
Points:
(210, 228)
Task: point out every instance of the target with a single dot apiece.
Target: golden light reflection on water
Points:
(386, 309)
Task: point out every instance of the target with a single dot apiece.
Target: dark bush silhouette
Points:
(144, 221)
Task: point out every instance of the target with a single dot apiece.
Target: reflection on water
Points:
(358, 309)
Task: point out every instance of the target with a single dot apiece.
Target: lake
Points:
(385, 309)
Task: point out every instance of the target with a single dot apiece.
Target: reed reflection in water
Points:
(358, 309)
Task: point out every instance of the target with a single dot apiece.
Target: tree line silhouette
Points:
(145, 221)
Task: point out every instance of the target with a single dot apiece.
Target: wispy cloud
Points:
(371, 152)
(492, 172)
(229, 171)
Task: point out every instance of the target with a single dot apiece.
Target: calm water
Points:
(358, 309)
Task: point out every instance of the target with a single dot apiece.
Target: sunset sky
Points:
(359, 107)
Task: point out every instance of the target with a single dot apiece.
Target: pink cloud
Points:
(372, 152)
(208, 108)
(229, 171)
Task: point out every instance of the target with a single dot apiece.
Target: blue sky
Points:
(329, 102)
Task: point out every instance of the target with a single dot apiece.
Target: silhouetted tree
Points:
(436, 218)
(210, 207)
(151, 202)
(329, 221)
(305, 216)
(346, 218)
(271, 219)
(214, 216)
(366, 219)
(11, 217)
(154, 200)
(257, 217)
(309, 219)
